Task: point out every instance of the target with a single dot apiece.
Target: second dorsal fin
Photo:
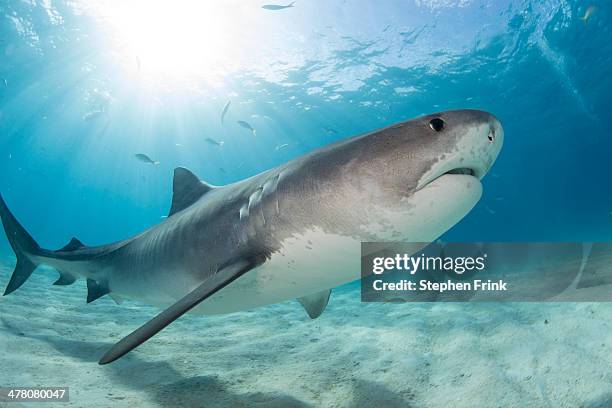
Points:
(73, 245)
(187, 189)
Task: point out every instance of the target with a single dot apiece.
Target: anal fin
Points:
(96, 290)
(65, 279)
(316, 303)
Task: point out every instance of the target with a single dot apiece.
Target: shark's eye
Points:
(436, 124)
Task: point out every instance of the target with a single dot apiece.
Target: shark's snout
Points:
(481, 153)
(473, 143)
(495, 138)
(496, 132)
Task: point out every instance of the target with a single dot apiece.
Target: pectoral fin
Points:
(315, 304)
(209, 287)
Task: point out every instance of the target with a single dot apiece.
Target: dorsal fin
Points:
(187, 189)
(73, 245)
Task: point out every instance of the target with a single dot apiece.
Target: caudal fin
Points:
(23, 245)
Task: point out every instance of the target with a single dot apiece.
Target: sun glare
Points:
(175, 38)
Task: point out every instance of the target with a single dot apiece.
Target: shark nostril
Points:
(491, 136)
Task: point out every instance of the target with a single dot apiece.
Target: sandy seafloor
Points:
(355, 355)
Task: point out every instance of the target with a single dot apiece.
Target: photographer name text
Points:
(425, 285)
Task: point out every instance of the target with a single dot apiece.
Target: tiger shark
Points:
(292, 232)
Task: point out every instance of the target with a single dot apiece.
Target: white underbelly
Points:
(307, 264)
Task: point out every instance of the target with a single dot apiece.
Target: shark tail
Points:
(23, 245)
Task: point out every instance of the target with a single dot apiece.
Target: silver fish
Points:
(224, 111)
(214, 142)
(146, 159)
(277, 6)
(248, 126)
(277, 148)
(588, 14)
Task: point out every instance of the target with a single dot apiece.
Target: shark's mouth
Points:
(462, 170)
(458, 171)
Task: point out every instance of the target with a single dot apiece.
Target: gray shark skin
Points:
(291, 232)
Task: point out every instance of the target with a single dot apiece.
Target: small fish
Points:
(248, 126)
(146, 159)
(222, 170)
(277, 6)
(277, 148)
(224, 111)
(5, 82)
(587, 14)
(178, 144)
(214, 142)
(330, 131)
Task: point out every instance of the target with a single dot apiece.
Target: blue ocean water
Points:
(82, 94)
(86, 85)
